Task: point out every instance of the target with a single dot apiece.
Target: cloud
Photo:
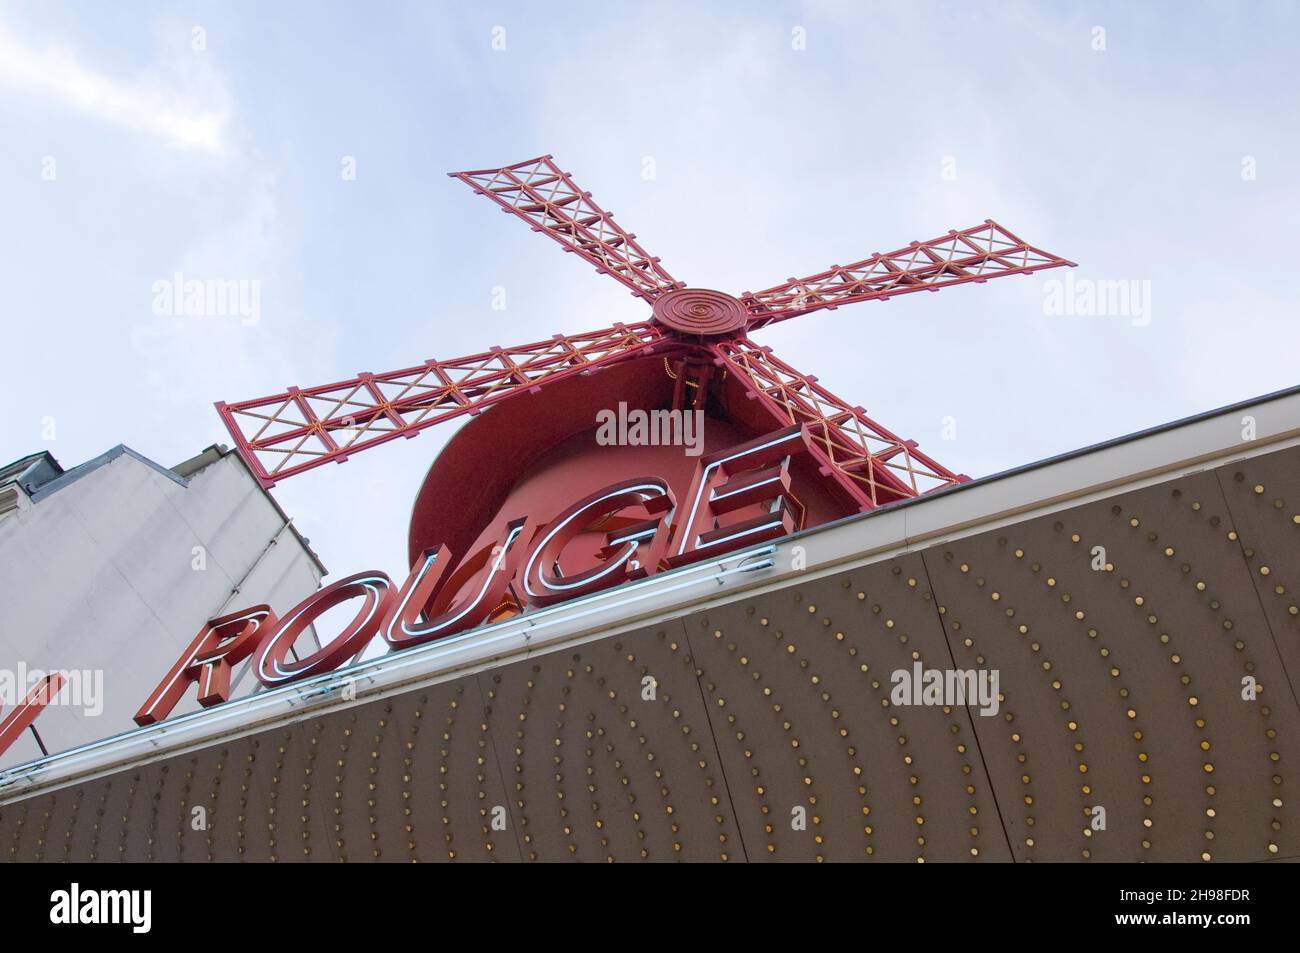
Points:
(149, 106)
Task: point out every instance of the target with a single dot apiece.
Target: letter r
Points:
(221, 644)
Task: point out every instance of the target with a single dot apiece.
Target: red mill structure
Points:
(696, 338)
(626, 652)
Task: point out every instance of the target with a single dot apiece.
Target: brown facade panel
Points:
(607, 753)
(419, 779)
(798, 683)
(1125, 632)
(407, 778)
(1263, 495)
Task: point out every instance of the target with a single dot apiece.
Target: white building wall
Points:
(116, 571)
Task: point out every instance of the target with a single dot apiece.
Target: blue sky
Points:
(770, 161)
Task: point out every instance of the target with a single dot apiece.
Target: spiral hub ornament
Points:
(701, 312)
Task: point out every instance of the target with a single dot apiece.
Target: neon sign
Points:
(737, 497)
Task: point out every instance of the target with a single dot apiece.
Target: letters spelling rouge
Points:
(518, 572)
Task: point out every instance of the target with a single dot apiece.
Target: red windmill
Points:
(702, 336)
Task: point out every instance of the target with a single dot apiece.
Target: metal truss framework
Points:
(287, 433)
(875, 465)
(547, 199)
(294, 431)
(973, 254)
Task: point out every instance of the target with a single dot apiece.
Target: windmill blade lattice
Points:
(873, 464)
(547, 198)
(972, 254)
(294, 431)
(287, 433)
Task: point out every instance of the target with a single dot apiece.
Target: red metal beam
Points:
(294, 431)
(973, 254)
(538, 192)
(873, 464)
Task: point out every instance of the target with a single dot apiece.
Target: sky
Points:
(742, 142)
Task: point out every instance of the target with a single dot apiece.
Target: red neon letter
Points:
(24, 714)
(220, 644)
(376, 590)
(629, 553)
(730, 480)
(426, 593)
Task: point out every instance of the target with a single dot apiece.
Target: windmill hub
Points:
(699, 311)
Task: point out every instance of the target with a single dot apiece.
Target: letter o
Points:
(374, 588)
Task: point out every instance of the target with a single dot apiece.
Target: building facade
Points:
(1132, 607)
(107, 571)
